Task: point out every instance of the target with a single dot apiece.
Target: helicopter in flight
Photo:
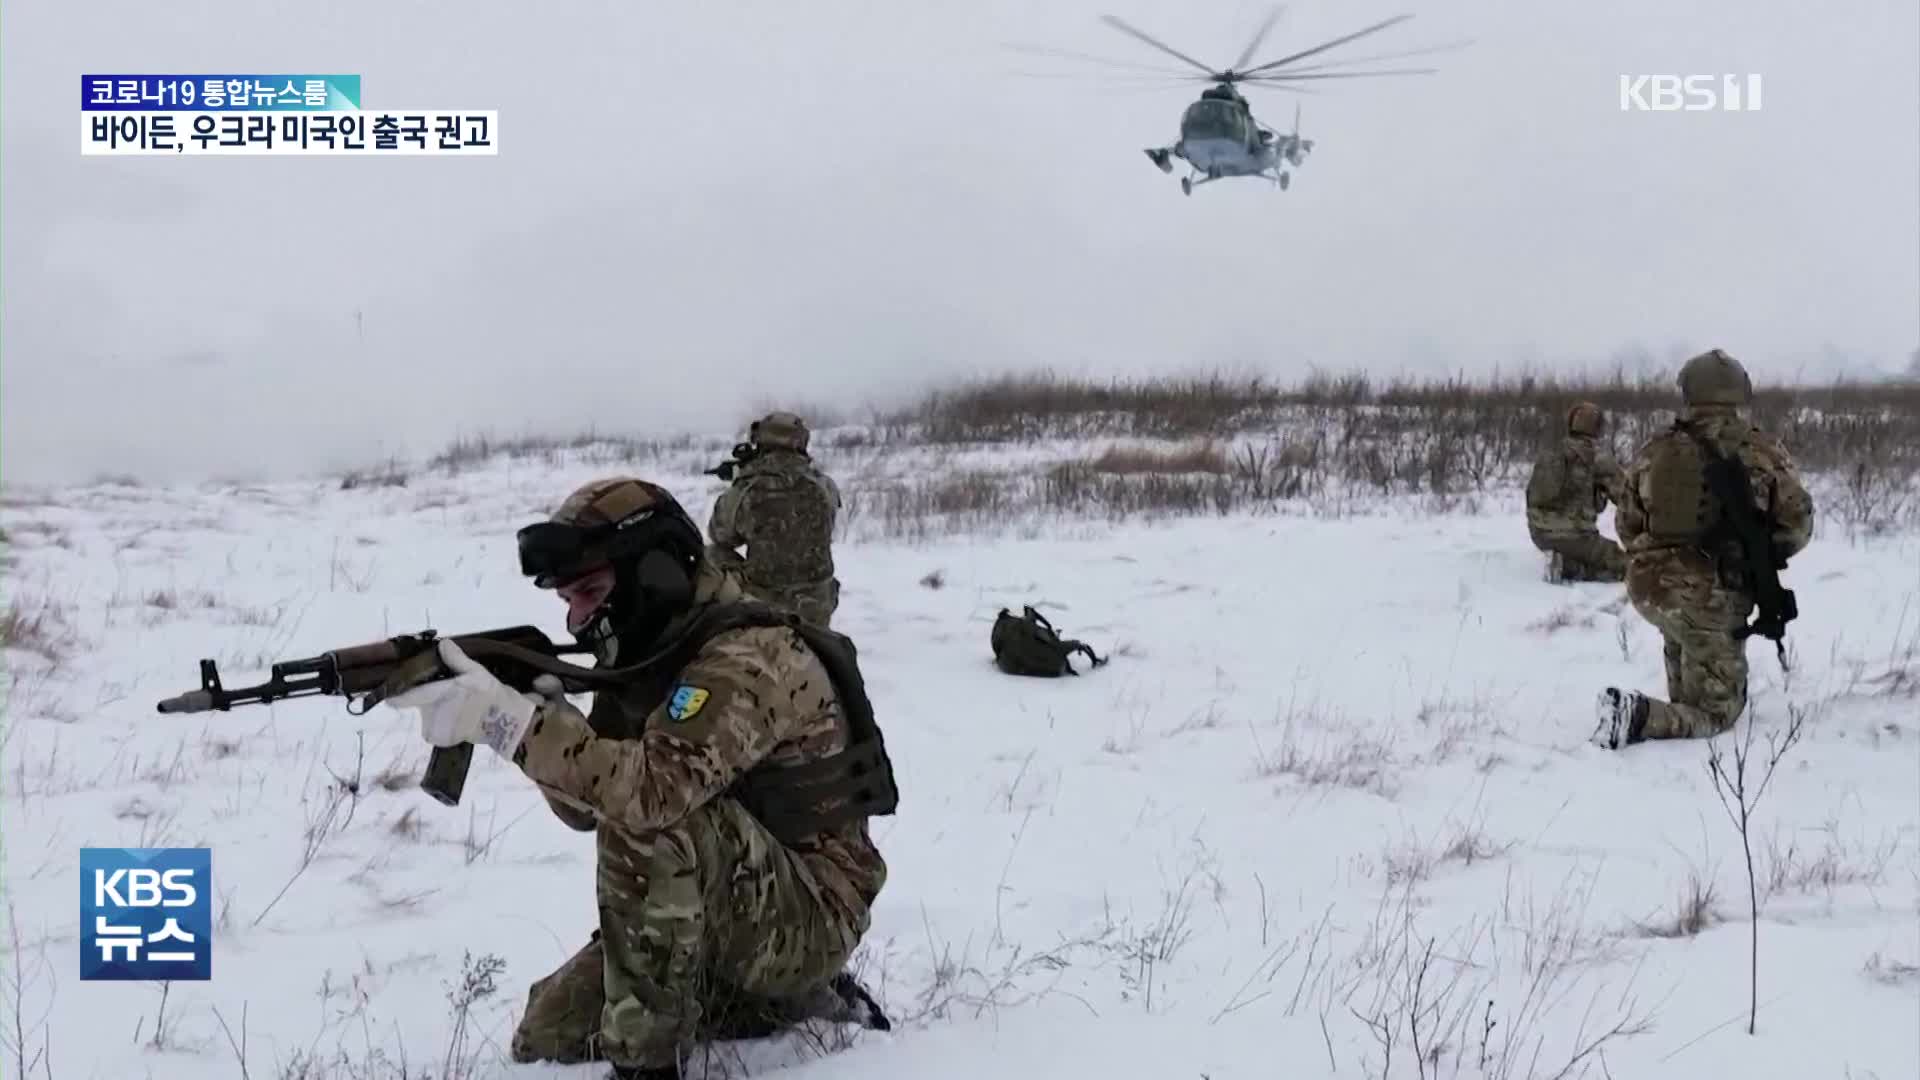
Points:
(1219, 136)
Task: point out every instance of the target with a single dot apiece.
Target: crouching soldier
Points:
(729, 784)
(1570, 484)
(1686, 574)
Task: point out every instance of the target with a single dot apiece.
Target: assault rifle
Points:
(1775, 603)
(368, 674)
(742, 453)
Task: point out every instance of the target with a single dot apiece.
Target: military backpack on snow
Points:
(1027, 644)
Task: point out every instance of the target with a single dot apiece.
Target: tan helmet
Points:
(1585, 418)
(1714, 378)
(642, 533)
(779, 431)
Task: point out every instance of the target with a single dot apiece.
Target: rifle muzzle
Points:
(193, 701)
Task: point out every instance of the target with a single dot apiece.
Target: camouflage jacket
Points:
(783, 508)
(1570, 485)
(750, 698)
(1778, 493)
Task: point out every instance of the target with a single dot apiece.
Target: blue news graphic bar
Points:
(219, 93)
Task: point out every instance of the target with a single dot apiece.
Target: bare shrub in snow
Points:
(1694, 909)
(36, 625)
(1740, 787)
(1794, 866)
(1882, 968)
(390, 474)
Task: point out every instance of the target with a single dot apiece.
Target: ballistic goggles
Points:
(553, 553)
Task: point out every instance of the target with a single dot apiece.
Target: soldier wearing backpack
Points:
(781, 508)
(1699, 561)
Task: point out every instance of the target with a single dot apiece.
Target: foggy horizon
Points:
(852, 204)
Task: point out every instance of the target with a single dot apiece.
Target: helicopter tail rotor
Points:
(1297, 147)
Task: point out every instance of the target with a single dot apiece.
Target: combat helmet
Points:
(779, 431)
(1585, 418)
(640, 531)
(1714, 378)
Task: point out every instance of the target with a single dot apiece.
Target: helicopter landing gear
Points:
(1186, 185)
(1162, 159)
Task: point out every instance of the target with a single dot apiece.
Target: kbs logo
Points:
(146, 914)
(1689, 93)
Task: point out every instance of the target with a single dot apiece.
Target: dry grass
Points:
(1339, 759)
(1417, 859)
(1202, 457)
(1436, 435)
(592, 447)
(1829, 426)
(1831, 863)
(1888, 971)
(1212, 445)
(1562, 618)
(36, 626)
(1695, 909)
(1227, 446)
(390, 474)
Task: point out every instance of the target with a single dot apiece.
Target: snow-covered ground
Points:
(1328, 812)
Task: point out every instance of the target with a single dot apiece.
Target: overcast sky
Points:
(703, 209)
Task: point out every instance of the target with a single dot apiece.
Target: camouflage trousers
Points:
(700, 924)
(1681, 595)
(1582, 556)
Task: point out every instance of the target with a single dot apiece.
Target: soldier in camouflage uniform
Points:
(782, 508)
(728, 784)
(1684, 573)
(1571, 483)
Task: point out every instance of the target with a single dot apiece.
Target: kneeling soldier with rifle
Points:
(1711, 511)
(728, 768)
(729, 782)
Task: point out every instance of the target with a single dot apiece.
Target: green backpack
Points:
(1028, 645)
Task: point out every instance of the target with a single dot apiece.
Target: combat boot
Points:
(1623, 718)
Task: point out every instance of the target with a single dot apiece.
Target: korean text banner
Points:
(219, 93)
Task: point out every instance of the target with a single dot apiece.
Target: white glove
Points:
(471, 707)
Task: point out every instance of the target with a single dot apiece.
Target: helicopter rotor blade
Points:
(1103, 61)
(1259, 36)
(1134, 32)
(1284, 87)
(1324, 46)
(1403, 55)
(1120, 83)
(1269, 80)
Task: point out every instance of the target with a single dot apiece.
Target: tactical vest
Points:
(794, 802)
(1681, 508)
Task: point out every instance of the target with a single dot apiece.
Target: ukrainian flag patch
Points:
(686, 703)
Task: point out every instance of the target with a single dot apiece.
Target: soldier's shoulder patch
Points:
(686, 702)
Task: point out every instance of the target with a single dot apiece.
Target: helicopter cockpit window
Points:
(1213, 118)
